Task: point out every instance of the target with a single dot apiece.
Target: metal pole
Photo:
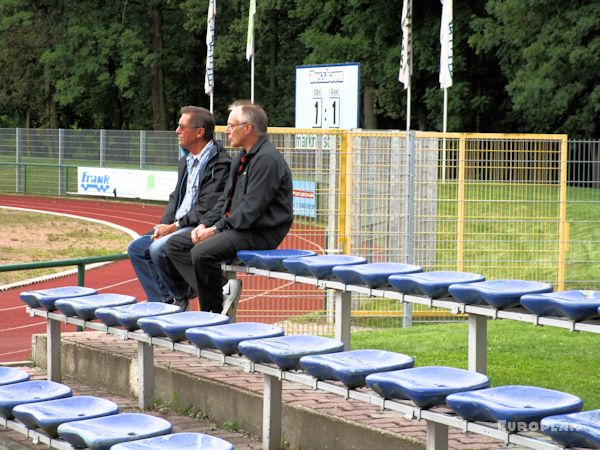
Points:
(252, 79)
(408, 108)
(410, 216)
(145, 376)
(142, 149)
(343, 316)
(102, 148)
(53, 350)
(444, 129)
(477, 358)
(61, 158)
(272, 396)
(18, 160)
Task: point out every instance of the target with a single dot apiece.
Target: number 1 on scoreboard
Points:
(317, 113)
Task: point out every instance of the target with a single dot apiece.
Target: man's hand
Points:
(161, 230)
(201, 233)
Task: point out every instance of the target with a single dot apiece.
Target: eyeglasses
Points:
(186, 127)
(233, 125)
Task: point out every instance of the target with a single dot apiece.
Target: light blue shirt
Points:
(196, 165)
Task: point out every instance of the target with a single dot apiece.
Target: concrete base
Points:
(223, 394)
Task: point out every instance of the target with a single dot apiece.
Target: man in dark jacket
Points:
(202, 174)
(254, 213)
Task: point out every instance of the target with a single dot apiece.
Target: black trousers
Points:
(200, 264)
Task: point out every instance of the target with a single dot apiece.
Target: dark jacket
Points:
(262, 198)
(213, 183)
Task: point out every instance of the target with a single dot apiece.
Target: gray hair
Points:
(252, 113)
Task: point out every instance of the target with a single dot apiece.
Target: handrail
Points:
(79, 262)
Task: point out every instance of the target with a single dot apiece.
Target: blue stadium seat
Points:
(574, 430)
(374, 275)
(45, 298)
(174, 325)
(127, 316)
(177, 441)
(320, 266)
(270, 259)
(85, 307)
(226, 338)
(103, 432)
(10, 375)
(576, 305)
(15, 394)
(286, 351)
(513, 404)
(426, 386)
(432, 284)
(50, 414)
(353, 366)
(500, 294)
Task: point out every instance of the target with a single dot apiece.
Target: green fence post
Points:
(81, 274)
(80, 281)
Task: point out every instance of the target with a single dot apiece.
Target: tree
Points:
(549, 51)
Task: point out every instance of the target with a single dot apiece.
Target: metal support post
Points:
(18, 160)
(61, 161)
(437, 436)
(145, 376)
(477, 343)
(410, 217)
(142, 149)
(53, 350)
(103, 141)
(343, 316)
(271, 413)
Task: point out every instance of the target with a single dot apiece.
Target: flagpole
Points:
(209, 74)
(446, 65)
(408, 109)
(444, 129)
(406, 55)
(250, 45)
(252, 79)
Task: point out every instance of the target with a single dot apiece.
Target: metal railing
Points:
(81, 263)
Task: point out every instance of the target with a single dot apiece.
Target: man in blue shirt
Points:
(254, 213)
(202, 175)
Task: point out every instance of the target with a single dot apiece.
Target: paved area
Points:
(11, 440)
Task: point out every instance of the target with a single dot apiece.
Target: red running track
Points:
(16, 327)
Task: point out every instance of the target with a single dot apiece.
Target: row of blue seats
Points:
(464, 287)
(88, 421)
(391, 375)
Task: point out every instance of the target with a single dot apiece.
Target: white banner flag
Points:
(406, 55)
(250, 40)
(209, 75)
(446, 43)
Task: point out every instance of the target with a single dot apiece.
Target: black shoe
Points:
(182, 303)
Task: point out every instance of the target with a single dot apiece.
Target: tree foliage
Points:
(519, 65)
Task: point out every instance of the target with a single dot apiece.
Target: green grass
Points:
(54, 238)
(518, 353)
(512, 231)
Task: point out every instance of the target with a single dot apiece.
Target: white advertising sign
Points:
(125, 183)
(327, 96)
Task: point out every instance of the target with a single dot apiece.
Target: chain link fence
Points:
(505, 206)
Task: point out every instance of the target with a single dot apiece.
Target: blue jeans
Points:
(156, 273)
